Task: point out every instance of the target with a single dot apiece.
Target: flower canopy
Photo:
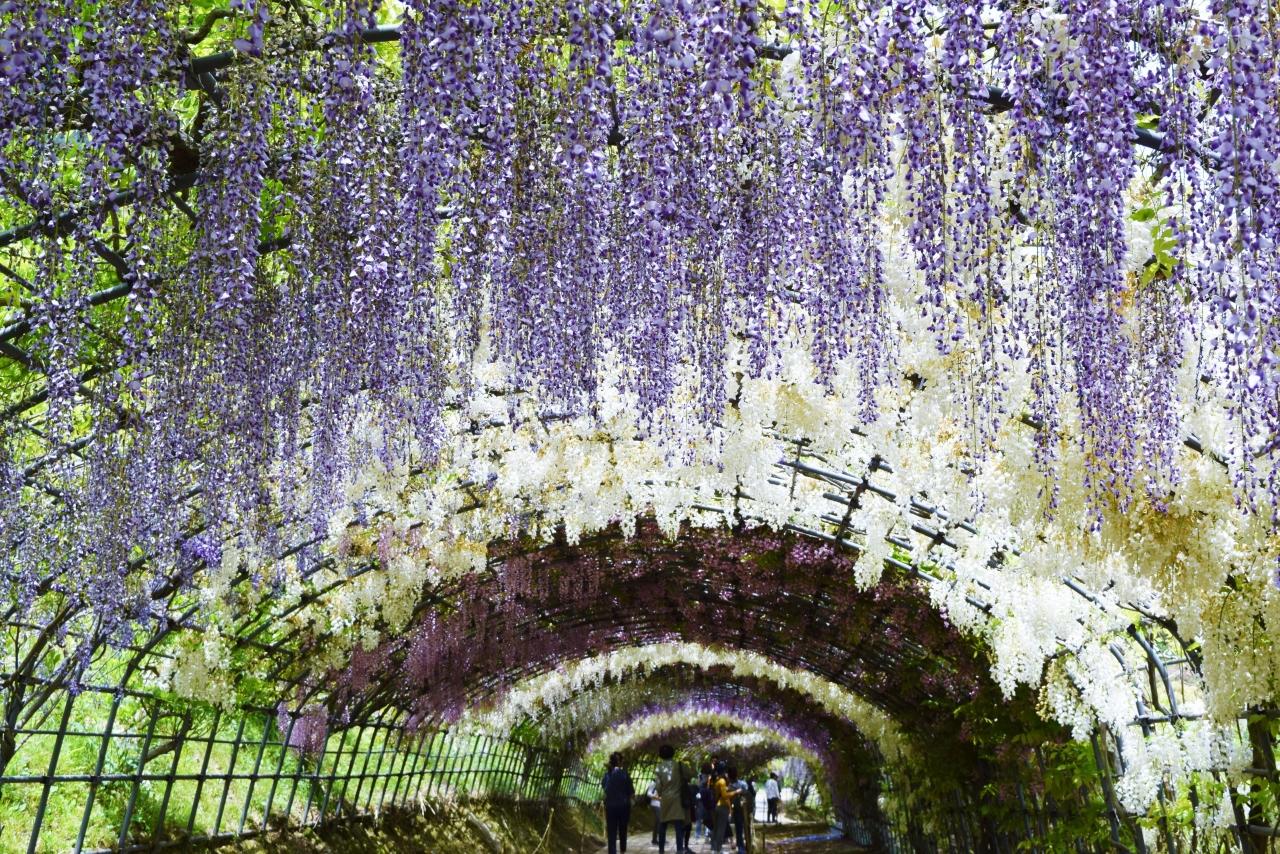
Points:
(374, 367)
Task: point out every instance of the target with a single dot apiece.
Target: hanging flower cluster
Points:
(563, 603)
(574, 476)
(642, 730)
(586, 716)
(546, 692)
(595, 190)
(584, 261)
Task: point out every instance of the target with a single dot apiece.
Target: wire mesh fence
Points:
(109, 769)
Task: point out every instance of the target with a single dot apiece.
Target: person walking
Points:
(619, 792)
(738, 807)
(725, 793)
(706, 803)
(655, 804)
(671, 780)
(689, 798)
(773, 796)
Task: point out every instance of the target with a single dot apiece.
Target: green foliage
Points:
(1162, 261)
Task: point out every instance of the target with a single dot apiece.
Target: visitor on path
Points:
(725, 793)
(618, 795)
(706, 803)
(671, 779)
(739, 808)
(655, 804)
(772, 795)
(692, 803)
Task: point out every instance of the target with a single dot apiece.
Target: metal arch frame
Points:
(684, 684)
(738, 703)
(819, 651)
(683, 678)
(437, 595)
(806, 663)
(701, 739)
(360, 721)
(853, 489)
(174, 624)
(935, 537)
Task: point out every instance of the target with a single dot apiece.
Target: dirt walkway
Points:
(642, 843)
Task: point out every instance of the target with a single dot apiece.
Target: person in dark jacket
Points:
(691, 806)
(618, 795)
(705, 809)
(738, 809)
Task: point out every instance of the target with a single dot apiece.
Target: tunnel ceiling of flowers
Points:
(423, 400)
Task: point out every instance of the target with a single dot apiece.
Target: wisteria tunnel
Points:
(760, 426)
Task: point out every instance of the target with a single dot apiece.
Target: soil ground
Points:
(468, 827)
(805, 839)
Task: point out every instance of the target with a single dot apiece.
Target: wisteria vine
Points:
(223, 262)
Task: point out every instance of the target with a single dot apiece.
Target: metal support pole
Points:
(333, 776)
(97, 770)
(137, 779)
(268, 724)
(180, 742)
(34, 842)
(279, 772)
(409, 760)
(386, 779)
(226, 782)
(204, 771)
(375, 730)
